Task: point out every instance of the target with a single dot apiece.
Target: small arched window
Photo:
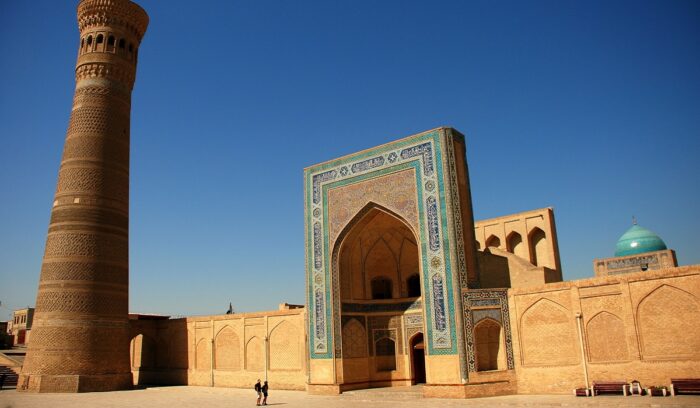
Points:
(413, 285)
(89, 41)
(100, 39)
(110, 43)
(122, 43)
(381, 288)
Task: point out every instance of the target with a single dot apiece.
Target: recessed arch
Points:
(363, 214)
(493, 241)
(285, 347)
(361, 252)
(227, 349)
(606, 339)
(668, 318)
(254, 354)
(547, 335)
(385, 354)
(515, 245)
(488, 339)
(354, 339)
(203, 355)
(539, 250)
(376, 245)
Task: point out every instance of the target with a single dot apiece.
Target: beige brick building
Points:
(404, 288)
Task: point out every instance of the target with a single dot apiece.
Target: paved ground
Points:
(173, 397)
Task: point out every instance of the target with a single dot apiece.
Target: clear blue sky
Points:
(591, 107)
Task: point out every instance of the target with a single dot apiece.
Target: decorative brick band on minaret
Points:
(80, 338)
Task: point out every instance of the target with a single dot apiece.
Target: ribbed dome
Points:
(638, 240)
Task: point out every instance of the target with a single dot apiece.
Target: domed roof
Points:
(638, 240)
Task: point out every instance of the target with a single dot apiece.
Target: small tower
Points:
(80, 338)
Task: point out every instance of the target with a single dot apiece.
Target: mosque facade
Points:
(404, 287)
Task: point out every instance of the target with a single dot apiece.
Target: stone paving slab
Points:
(174, 397)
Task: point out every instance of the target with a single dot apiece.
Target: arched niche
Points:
(203, 355)
(516, 246)
(227, 350)
(385, 354)
(539, 248)
(285, 346)
(377, 246)
(548, 335)
(488, 337)
(668, 318)
(606, 339)
(254, 354)
(493, 241)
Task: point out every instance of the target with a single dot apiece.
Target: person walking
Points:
(264, 392)
(258, 390)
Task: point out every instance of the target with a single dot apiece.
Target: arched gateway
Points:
(390, 250)
(377, 262)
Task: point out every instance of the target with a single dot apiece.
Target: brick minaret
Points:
(80, 338)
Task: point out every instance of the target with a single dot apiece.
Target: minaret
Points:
(80, 337)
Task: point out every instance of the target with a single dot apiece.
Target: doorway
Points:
(418, 359)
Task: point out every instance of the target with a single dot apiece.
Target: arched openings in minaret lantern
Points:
(108, 42)
(100, 43)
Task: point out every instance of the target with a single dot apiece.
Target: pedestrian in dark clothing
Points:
(264, 391)
(258, 390)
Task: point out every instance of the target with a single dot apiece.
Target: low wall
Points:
(641, 326)
(224, 351)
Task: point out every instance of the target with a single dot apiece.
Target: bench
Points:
(8, 377)
(685, 385)
(609, 387)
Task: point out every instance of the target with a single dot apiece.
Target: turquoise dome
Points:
(638, 240)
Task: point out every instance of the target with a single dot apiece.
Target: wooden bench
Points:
(685, 385)
(609, 387)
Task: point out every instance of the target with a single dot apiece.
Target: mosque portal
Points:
(380, 296)
(390, 248)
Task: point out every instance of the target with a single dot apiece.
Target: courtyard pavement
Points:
(172, 397)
